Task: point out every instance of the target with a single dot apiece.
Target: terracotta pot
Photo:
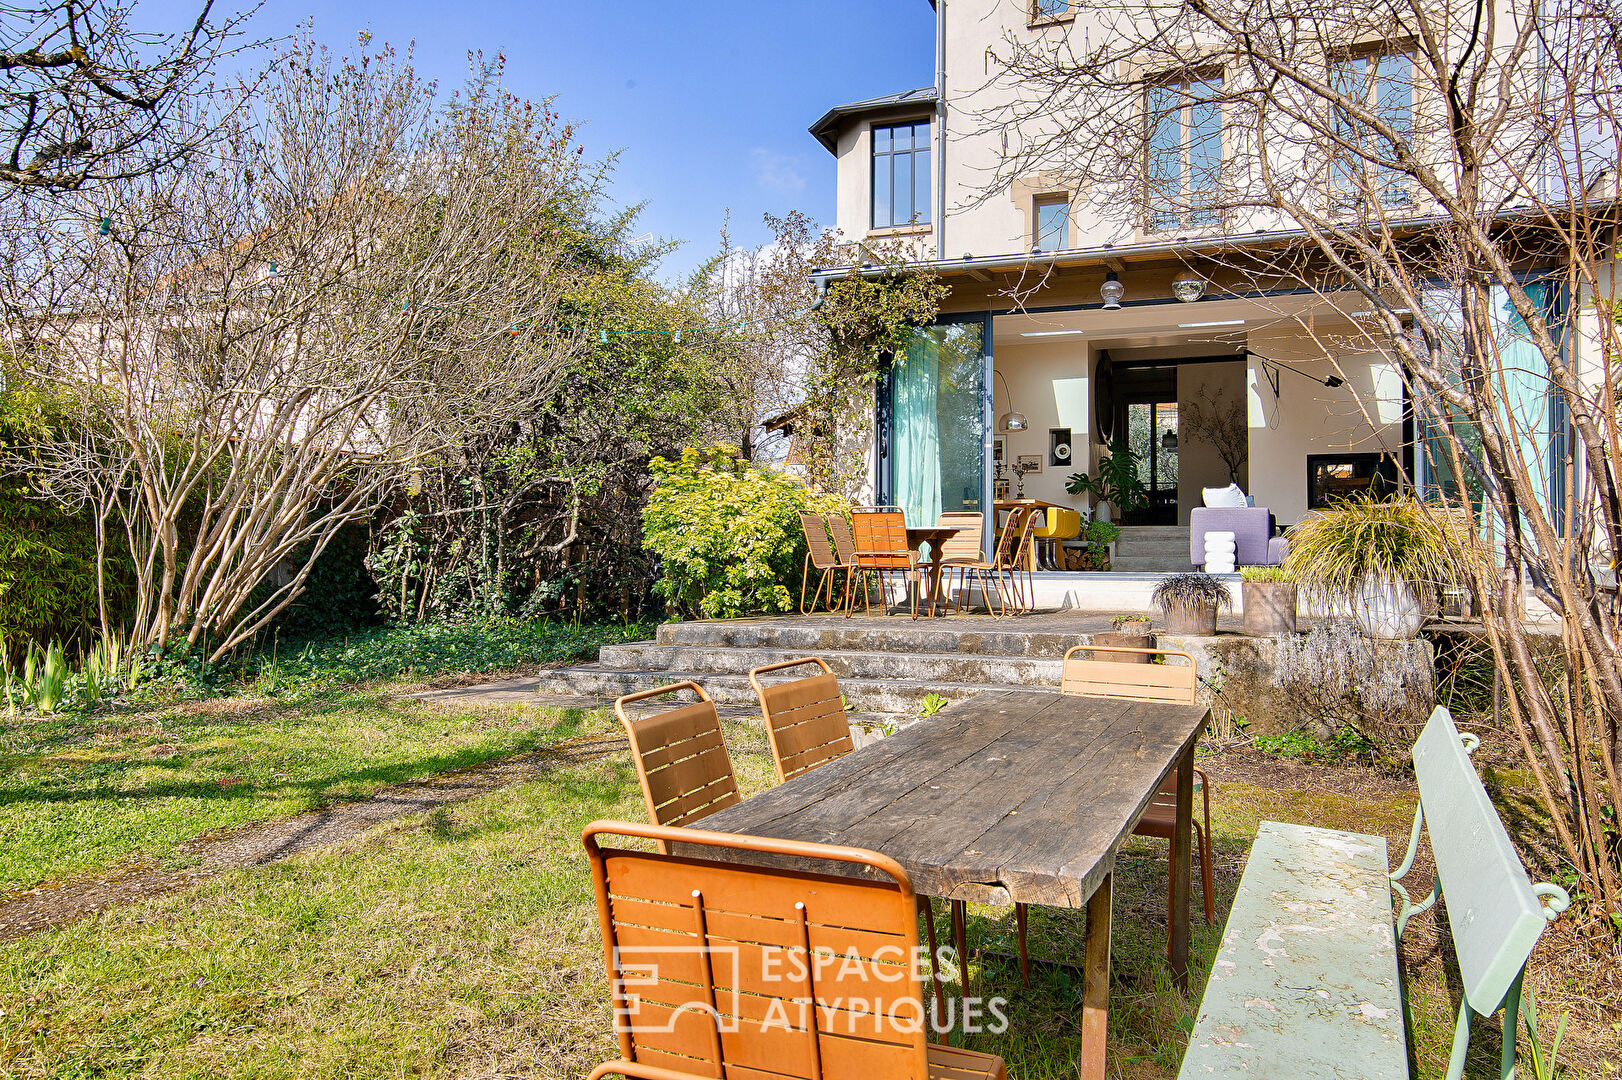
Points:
(1196, 621)
(1125, 641)
(1269, 608)
(1389, 610)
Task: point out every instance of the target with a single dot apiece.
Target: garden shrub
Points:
(727, 533)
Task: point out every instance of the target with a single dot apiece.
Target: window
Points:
(1049, 10)
(900, 174)
(1383, 84)
(1052, 223)
(1183, 152)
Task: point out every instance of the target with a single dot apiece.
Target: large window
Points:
(936, 424)
(1378, 86)
(900, 174)
(1052, 223)
(1184, 152)
(1049, 10)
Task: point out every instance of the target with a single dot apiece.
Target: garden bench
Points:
(1306, 982)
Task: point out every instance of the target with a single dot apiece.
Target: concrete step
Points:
(933, 667)
(1148, 532)
(892, 696)
(1152, 564)
(898, 635)
(1141, 547)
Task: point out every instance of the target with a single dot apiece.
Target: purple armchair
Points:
(1252, 528)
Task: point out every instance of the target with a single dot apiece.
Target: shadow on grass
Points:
(312, 792)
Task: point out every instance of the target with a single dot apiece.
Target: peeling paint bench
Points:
(1306, 983)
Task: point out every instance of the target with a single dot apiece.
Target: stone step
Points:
(892, 696)
(1152, 564)
(1139, 547)
(932, 667)
(896, 635)
(1154, 531)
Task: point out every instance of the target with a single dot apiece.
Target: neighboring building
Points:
(917, 164)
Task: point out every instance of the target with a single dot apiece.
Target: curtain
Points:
(1528, 393)
(916, 376)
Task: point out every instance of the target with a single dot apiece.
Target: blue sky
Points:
(708, 100)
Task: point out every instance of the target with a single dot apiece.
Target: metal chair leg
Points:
(934, 962)
(1024, 956)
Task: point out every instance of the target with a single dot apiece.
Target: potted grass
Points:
(1380, 558)
(1190, 603)
(1269, 595)
(1131, 632)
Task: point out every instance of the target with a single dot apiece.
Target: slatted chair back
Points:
(681, 757)
(805, 718)
(1132, 680)
(1495, 912)
(720, 968)
(1027, 529)
(965, 545)
(821, 552)
(844, 542)
(881, 538)
(1011, 532)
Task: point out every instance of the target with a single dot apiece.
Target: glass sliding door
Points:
(937, 422)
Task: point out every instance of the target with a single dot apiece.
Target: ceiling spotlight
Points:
(1112, 290)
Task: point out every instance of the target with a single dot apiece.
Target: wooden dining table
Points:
(1021, 796)
(934, 536)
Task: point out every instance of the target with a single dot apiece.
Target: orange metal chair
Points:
(805, 718)
(845, 548)
(1175, 683)
(881, 546)
(821, 555)
(992, 572)
(721, 968)
(962, 550)
(681, 757)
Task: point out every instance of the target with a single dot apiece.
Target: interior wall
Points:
(1198, 465)
(1048, 381)
(1305, 417)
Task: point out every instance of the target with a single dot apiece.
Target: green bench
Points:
(1306, 983)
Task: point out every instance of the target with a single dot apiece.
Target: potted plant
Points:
(1380, 557)
(1115, 483)
(1269, 600)
(1190, 602)
(1099, 535)
(1131, 632)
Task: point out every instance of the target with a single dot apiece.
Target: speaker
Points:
(1059, 446)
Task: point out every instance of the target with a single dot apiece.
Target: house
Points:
(1068, 327)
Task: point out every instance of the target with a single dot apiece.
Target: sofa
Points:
(1252, 528)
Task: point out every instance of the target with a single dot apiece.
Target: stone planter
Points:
(1197, 621)
(1124, 641)
(1269, 608)
(1388, 610)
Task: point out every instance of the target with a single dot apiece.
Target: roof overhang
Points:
(827, 128)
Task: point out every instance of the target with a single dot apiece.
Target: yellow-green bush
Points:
(727, 533)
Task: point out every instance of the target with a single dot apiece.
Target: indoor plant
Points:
(1190, 602)
(1269, 600)
(1115, 483)
(1380, 557)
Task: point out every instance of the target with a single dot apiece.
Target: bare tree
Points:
(85, 97)
(1442, 177)
(266, 339)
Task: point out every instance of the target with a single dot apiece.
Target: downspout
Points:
(940, 130)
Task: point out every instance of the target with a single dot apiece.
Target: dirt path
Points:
(54, 904)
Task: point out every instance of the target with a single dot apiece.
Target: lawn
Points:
(303, 727)
(463, 942)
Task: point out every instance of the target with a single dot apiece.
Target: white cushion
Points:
(1230, 497)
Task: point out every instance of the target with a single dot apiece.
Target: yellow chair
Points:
(1059, 523)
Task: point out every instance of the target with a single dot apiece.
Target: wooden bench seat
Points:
(1306, 984)
(1308, 948)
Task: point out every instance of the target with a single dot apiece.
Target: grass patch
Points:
(78, 796)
